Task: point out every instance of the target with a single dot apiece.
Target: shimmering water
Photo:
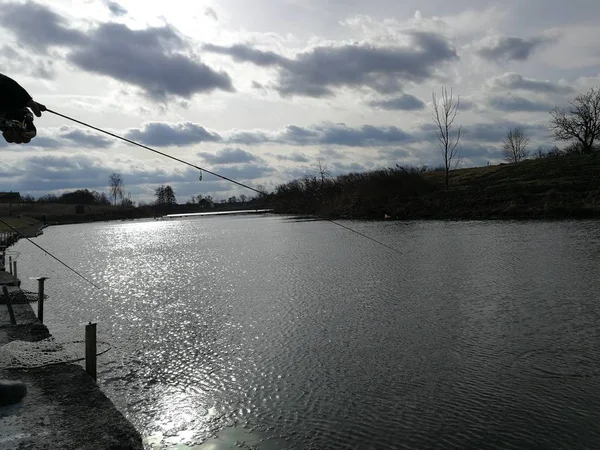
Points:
(274, 333)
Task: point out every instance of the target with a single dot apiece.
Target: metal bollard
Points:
(15, 269)
(90, 350)
(41, 298)
(10, 266)
(11, 313)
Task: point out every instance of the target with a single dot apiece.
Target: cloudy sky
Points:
(260, 90)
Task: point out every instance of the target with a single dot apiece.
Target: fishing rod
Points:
(215, 174)
(50, 254)
(183, 162)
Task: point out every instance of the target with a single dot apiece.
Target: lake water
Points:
(269, 332)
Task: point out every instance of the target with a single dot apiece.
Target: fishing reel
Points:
(18, 123)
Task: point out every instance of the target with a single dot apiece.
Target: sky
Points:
(261, 91)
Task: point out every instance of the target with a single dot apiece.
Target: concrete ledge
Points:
(64, 408)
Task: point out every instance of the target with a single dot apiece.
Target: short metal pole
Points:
(10, 266)
(11, 313)
(15, 269)
(90, 349)
(41, 298)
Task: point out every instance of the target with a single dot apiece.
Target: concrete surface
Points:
(64, 408)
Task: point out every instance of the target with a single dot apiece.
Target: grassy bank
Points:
(552, 187)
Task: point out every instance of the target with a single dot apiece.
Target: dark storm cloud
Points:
(315, 73)
(115, 8)
(405, 102)
(167, 134)
(516, 103)
(229, 156)
(509, 48)
(153, 59)
(38, 26)
(513, 81)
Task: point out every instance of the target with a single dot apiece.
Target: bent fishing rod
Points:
(216, 175)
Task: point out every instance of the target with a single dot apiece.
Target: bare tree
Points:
(444, 114)
(581, 122)
(515, 145)
(322, 169)
(116, 186)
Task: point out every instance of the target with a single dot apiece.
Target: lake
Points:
(273, 332)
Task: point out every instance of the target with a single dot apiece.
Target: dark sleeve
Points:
(12, 94)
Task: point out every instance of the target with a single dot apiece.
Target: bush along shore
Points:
(560, 186)
(552, 187)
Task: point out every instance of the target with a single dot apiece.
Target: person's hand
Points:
(15, 136)
(36, 107)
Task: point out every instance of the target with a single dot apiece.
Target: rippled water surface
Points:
(269, 332)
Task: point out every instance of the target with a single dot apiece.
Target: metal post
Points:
(11, 313)
(15, 269)
(10, 266)
(41, 298)
(90, 349)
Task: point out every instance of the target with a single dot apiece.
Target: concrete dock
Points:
(64, 408)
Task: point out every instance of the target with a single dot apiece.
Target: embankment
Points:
(562, 187)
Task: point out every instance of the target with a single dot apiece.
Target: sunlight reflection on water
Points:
(266, 332)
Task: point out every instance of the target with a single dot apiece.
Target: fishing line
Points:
(215, 174)
(50, 254)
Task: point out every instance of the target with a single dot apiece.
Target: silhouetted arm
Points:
(13, 96)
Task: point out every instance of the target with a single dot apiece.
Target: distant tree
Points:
(127, 202)
(80, 196)
(580, 122)
(100, 198)
(322, 170)
(232, 199)
(160, 195)
(165, 195)
(555, 151)
(444, 114)
(243, 198)
(115, 184)
(515, 145)
(48, 198)
(170, 196)
(27, 198)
